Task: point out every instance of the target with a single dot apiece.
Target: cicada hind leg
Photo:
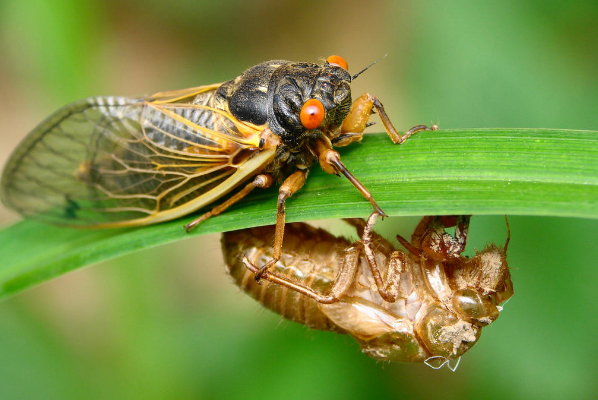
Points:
(358, 118)
(261, 181)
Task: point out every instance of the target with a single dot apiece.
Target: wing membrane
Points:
(114, 161)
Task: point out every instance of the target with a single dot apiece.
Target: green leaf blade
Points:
(475, 171)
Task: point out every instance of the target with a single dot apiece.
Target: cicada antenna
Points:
(365, 69)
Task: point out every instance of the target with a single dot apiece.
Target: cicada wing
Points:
(185, 95)
(115, 161)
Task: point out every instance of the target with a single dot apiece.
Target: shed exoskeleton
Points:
(423, 304)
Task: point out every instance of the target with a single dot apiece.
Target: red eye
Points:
(338, 61)
(312, 114)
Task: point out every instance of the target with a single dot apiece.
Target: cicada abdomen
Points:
(432, 301)
(311, 256)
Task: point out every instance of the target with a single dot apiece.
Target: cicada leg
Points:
(388, 290)
(382, 245)
(290, 185)
(330, 161)
(262, 181)
(341, 283)
(357, 120)
(431, 240)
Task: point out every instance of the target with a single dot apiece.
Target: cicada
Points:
(426, 303)
(107, 162)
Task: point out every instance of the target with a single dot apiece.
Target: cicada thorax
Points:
(273, 94)
(439, 308)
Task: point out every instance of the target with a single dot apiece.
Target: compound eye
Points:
(312, 114)
(338, 61)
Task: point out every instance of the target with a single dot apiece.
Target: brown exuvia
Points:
(427, 303)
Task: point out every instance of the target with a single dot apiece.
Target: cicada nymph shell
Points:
(432, 304)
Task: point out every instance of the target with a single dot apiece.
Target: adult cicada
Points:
(426, 304)
(107, 162)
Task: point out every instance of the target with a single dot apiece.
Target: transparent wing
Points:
(115, 161)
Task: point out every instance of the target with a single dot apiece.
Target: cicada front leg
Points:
(330, 161)
(357, 120)
(431, 240)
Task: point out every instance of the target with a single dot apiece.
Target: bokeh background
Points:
(167, 324)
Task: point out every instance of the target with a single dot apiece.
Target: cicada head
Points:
(484, 282)
(308, 100)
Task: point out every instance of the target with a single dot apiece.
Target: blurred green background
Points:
(166, 323)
